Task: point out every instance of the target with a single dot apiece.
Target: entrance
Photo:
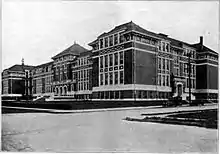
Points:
(179, 90)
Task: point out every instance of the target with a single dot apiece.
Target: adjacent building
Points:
(17, 81)
(129, 62)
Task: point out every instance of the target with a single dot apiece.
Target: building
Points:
(130, 63)
(72, 72)
(16, 81)
(42, 79)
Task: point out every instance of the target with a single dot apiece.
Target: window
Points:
(106, 60)
(116, 39)
(168, 64)
(163, 64)
(111, 40)
(85, 73)
(101, 79)
(164, 80)
(163, 46)
(121, 57)
(159, 45)
(101, 62)
(159, 79)
(110, 59)
(82, 61)
(116, 58)
(116, 77)
(81, 74)
(121, 77)
(101, 43)
(168, 81)
(110, 78)
(106, 78)
(159, 63)
(121, 38)
(106, 42)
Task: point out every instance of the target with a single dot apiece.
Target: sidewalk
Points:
(183, 108)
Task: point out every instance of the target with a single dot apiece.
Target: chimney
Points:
(201, 42)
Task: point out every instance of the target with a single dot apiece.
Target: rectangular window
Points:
(168, 65)
(121, 55)
(110, 59)
(116, 39)
(85, 74)
(163, 64)
(164, 80)
(116, 77)
(159, 79)
(101, 62)
(111, 40)
(116, 58)
(163, 46)
(121, 38)
(168, 80)
(121, 77)
(106, 60)
(101, 43)
(110, 78)
(159, 63)
(101, 79)
(106, 78)
(106, 42)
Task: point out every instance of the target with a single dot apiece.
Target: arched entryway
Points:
(61, 91)
(65, 90)
(179, 89)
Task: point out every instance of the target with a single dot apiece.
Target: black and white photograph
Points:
(110, 76)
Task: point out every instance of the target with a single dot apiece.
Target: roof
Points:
(89, 52)
(20, 67)
(205, 48)
(129, 26)
(75, 49)
(44, 64)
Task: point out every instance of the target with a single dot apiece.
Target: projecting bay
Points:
(102, 132)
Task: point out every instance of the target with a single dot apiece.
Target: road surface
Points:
(103, 131)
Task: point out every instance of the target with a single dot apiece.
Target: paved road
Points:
(105, 132)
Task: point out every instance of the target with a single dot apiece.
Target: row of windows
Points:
(164, 64)
(113, 39)
(186, 70)
(144, 40)
(83, 61)
(112, 78)
(82, 74)
(163, 46)
(112, 59)
(64, 58)
(83, 85)
(163, 80)
(139, 94)
(187, 51)
(208, 57)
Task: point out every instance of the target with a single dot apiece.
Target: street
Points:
(104, 132)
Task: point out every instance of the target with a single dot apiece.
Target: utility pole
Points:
(189, 69)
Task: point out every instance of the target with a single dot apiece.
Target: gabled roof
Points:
(20, 67)
(129, 26)
(204, 49)
(75, 49)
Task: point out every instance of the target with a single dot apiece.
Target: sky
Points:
(38, 30)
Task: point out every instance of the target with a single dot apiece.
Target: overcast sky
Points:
(39, 30)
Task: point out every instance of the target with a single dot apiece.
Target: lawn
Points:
(204, 114)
